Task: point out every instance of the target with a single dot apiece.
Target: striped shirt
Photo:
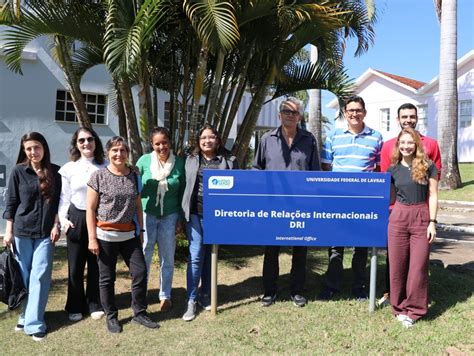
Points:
(348, 152)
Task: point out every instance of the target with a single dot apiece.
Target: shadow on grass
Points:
(448, 288)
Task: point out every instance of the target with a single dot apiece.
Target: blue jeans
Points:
(35, 257)
(161, 231)
(199, 260)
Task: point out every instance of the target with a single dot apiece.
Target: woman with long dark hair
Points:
(112, 210)
(209, 153)
(412, 227)
(87, 156)
(163, 182)
(33, 226)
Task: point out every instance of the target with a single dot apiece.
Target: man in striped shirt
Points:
(355, 148)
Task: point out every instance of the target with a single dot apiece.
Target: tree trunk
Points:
(234, 108)
(184, 111)
(216, 84)
(132, 127)
(248, 125)
(122, 119)
(220, 101)
(314, 121)
(197, 93)
(448, 97)
(73, 81)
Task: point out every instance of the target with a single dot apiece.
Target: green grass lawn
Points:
(466, 192)
(242, 326)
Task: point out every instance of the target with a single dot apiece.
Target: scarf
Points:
(160, 172)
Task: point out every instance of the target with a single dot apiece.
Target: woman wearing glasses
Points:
(208, 154)
(87, 156)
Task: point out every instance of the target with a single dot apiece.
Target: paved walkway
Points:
(454, 247)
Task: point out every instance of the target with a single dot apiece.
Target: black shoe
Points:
(268, 300)
(327, 294)
(19, 327)
(38, 336)
(360, 294)
(298, 300)
(114, 326)
(144, 320)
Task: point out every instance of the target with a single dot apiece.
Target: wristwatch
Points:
(434, 220)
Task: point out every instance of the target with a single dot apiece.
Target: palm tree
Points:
(58, 21)
(293, 26)
(448, 94)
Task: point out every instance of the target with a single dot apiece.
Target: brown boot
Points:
(165, 305)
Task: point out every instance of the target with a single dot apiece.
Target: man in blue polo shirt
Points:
(355, 148)
(287, 148)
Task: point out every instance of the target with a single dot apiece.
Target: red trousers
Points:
(409, 251)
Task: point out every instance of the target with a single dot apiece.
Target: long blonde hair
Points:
(420, 164)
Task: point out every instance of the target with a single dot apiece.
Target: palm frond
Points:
(309, 75)
(127, 39)
(215, 23)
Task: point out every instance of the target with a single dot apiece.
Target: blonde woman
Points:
(412, 227)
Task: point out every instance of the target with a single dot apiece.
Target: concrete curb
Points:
(446, 227)
(456, 202)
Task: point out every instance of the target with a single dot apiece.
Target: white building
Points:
(38, 101)
(383, 93)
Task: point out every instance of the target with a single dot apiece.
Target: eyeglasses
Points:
(210, 138)
(355, 111)
(84, 139)
(289, 112)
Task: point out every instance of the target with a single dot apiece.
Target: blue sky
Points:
(407, 41)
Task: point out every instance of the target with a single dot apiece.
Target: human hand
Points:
(55, 233)
(67, 224)
(93, 246)
(431, 232)
(8, 239)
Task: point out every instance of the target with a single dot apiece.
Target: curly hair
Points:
(74, 152)
(420, 163)
(45, 174)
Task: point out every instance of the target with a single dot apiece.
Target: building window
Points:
(465, 113)
(385, 119)
(189, 113)
(422, 118)
(95, 104)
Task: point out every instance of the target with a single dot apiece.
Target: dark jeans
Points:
(335, 268)
(78, 254)
(131, 252)
(271, 269)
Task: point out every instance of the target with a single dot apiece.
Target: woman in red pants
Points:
(412, 227)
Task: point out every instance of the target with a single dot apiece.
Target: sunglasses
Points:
(84, 139)
(289, 112)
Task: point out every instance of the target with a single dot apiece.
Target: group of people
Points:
(107, 207)
(414, 163)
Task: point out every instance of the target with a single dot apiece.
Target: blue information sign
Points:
(296, 208)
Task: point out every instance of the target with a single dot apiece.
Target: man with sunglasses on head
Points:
(355, 148)
(407, 116)
(286, 148)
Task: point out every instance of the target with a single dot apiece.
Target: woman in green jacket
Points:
(163, 183)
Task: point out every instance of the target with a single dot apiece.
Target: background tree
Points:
(448, 94)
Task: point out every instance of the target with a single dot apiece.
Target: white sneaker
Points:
(75, 316)
(19, 328)
(97, 315)
(408, 322)
(190, 312)
(401, 317)
(384, 301)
